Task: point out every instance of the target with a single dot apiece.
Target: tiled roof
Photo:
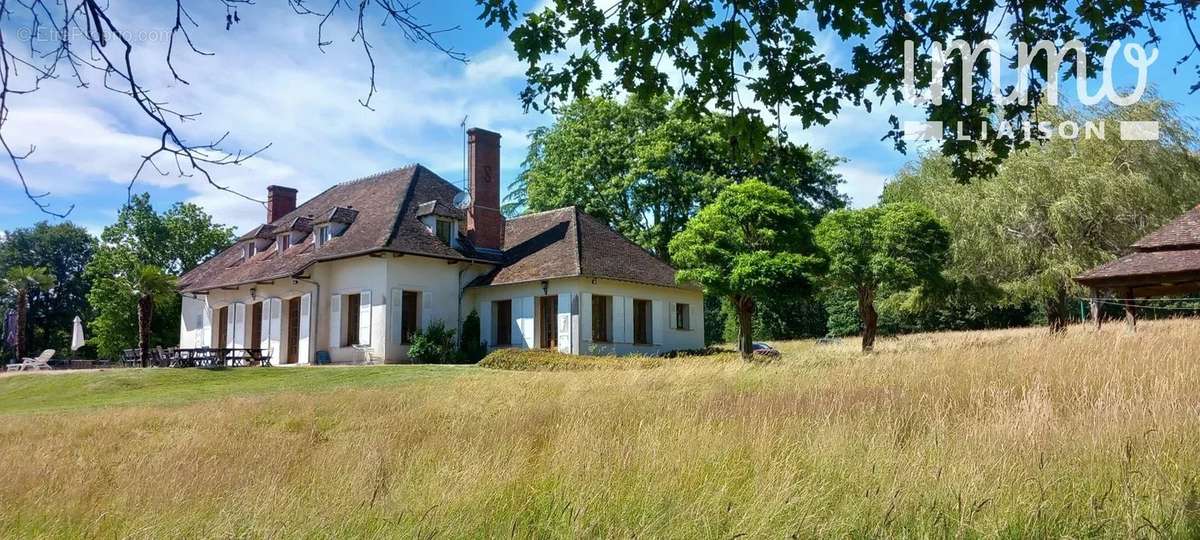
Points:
(546, 245)
(566, 243)
(1160, 257)
(1182, 232)
(1144, 264)
(339, 214)
(302, 224)
(439, 208)
(384, 222)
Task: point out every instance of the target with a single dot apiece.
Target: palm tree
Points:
(19, 281)
(148, 283)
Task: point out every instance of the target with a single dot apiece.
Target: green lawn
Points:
(172, 387)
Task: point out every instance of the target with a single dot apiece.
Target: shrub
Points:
(541, 360)
(434, 345)
(470, 346)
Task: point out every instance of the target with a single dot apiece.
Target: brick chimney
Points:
(485, 223)
(280, 201)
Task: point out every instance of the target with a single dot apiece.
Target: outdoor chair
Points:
(34, 364)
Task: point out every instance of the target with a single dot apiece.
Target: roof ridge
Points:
(377, 175)
(559, 209)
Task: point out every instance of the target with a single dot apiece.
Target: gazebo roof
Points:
(1164, 262)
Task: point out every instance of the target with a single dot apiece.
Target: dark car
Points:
(764, 350)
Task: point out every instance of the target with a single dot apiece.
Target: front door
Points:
(548, 313)
(223, 327)
(293, 322)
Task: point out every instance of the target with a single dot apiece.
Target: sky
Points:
(267, 83)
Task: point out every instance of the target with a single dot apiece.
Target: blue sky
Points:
(268, 83)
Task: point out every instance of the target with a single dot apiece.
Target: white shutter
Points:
(629, 318)
(618, 321)
(228, 327)
(264, 341)
(656, 321)
(239, 325)
(585, 318)
(396, 317)
(207, 330)
(275, 306)
(305, 320)
(364, 318)
(426, 309)
(564, 323)
(671, 311)
(523, 320)
(335, 321)
(696, 318)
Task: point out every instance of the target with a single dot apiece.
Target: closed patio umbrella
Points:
(77, 340)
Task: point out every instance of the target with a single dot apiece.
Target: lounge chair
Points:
(34, 364)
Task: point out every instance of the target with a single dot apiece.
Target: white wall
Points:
(574, 309)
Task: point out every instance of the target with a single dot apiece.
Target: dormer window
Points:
(445, 228)
(283, 243)
(323, 235)
(249, 249)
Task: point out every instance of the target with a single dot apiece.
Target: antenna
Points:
(463, 125)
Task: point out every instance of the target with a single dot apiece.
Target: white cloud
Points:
(864, 184)
(271, 84)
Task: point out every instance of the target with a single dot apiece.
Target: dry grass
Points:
(1010, 433)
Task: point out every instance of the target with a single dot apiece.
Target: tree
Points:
(20, 281)
(150, 286)
(645, 166)
(752, 242)
(893, 247)
(718, 51)
(173, 241)
(1061, 207)
(64, 250)
(87, 42)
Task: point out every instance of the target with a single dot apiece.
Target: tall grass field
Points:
(1009, 434)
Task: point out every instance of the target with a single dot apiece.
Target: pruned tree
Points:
(86, 43)
(752, 242)
(891, 247)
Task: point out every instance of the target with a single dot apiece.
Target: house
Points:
(1165, 262)
(359, 268)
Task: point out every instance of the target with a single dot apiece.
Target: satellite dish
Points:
(462, 201)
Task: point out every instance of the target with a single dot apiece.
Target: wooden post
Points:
(1095, 305)
(1130, 311)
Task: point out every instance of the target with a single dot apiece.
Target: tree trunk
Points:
(870, 318)
(145, 312)
(22, 314)
(1056, 312)
(745, 314)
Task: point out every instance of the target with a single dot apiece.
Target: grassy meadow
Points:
(986, 434)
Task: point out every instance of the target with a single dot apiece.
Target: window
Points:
(323, 235)
(503, 318)
(408, 320)
(352, 304)
(248, 251)
(601, 318)
(444, 230)
(641, 322)
(284, 242)
(683, 318)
